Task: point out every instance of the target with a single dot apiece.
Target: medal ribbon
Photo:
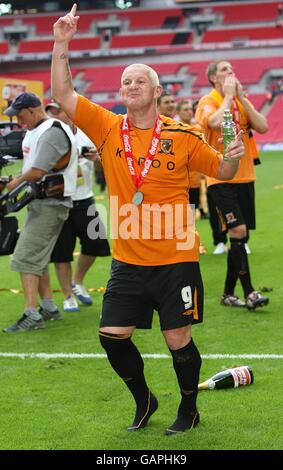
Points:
(139, 179)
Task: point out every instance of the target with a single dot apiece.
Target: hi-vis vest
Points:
(29, 145)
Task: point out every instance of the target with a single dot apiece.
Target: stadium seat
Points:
(251, 12)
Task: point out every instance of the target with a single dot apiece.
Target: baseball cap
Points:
(24, 100)
(52, 104)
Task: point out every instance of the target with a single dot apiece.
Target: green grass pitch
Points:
(78, 403)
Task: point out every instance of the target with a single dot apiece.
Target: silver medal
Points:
(137, 198)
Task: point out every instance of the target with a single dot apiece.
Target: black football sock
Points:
(232, 271)
(187, 363)
(242, 264)
(127, 362)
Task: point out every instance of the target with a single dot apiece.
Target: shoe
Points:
(247, 248)
(26, 322)
(81, 293)
(255, 299)
(47, 315)
(202, 250)
(183, 423)
(142, 416)
(220, 249)
(232, 301)
(71, 305)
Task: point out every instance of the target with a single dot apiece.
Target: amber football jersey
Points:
(160, 230)
(207, 106)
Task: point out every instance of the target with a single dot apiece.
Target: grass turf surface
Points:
(66, 403)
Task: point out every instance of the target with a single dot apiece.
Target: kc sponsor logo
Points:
(156, 163)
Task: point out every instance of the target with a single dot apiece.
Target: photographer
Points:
(77, 222)
(49, 151)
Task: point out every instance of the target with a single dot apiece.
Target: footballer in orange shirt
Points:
(146, 158)
(234, 199)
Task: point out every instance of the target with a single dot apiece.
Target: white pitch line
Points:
(147, 356)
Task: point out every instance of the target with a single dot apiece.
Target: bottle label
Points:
(241, 376)
(211, 384)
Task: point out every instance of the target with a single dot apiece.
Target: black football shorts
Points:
(76, 227)
(235, 204)
(133, 292)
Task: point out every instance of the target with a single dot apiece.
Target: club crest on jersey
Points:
(166, 146)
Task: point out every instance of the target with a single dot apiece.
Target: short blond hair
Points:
(212, 69)
(154, 79)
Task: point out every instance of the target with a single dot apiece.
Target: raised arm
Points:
(229, 91)
(257, 121)
(61, 79)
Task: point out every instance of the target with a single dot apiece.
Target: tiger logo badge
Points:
(166, 146)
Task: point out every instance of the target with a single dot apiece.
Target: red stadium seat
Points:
(253, 12)
(29, 45)
(141, 40)
(151, 19)
(229, 35)
(275, 124)
(44, 23)
(4, 48)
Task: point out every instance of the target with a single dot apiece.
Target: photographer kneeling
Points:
(49, 151)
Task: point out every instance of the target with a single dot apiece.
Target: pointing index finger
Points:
(74, 10)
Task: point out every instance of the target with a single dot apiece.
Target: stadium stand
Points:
(245, 13)
(249, 70)
(258, 100)
(6, 21)
(148, 39)
(30, 45)
(44, 23)
(248, 33)
(245, 33)
(4, 48)
(275, 122)
(102, 80)
(107, 79)
(157, 19)
(46, 45)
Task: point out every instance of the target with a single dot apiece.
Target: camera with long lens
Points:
(52, 186)
(12, 201)
(19, 197)
(11, 137)
(9, 229)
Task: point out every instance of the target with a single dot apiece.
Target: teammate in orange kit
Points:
(234, 198)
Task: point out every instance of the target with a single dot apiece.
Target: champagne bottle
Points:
(228, 131)
(230, 378)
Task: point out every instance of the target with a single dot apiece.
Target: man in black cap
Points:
(23, 101)
(48, 149)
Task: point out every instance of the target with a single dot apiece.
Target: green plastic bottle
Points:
(228, 131)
